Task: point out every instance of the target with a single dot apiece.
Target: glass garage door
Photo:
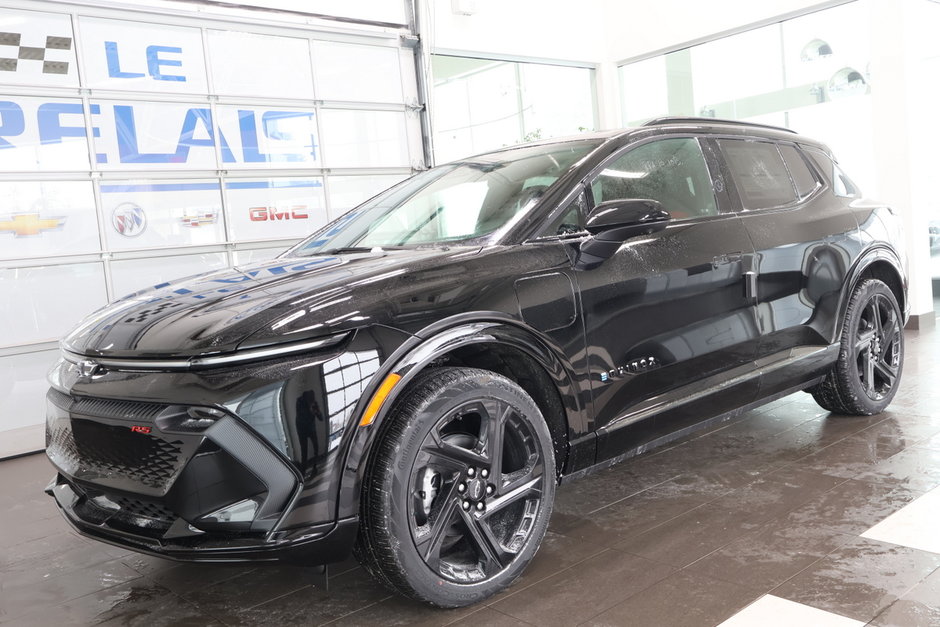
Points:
(138, 147)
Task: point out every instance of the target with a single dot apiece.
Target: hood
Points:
(287, 299)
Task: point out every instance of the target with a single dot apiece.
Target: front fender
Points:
(420, 351)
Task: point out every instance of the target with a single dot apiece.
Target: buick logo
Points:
(129, 219)
(88, 367)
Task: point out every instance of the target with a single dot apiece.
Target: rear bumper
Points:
(318, 544)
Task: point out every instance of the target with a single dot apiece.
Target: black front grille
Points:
(137, 507)
(105, 408)
(114, 450)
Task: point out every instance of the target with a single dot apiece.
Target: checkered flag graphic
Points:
(31, 53)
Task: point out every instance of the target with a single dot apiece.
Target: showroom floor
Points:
(785, 514)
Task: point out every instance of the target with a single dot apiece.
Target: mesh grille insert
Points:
(108, 449)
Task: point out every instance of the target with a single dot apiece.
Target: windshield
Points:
(458, 201)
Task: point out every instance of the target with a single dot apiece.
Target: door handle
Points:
(726, 258)
(750, 286)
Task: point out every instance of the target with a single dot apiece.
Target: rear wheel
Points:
(460, 490)
(865, 378)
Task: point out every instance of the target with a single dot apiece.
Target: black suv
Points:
(412, 381)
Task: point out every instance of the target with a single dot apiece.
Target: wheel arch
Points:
(493, 342)
(877, 262)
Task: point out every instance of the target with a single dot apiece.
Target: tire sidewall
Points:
(473, 385)
(848, 362)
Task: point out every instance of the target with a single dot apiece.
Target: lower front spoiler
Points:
(315, 545)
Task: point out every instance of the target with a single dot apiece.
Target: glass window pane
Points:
(376, 69)
(42, 218)
(802, 177)
(41, 304)
(131, 275)
(268, 137)
(809, 73)
(672, 171)
(156, 214)
(142, 56)
(544, 113)
(644, 92)
(139, 135)
(571, 219)
(364, 139)
(347, 192)
(484, 104)
(717, 68)
(37, 49)
(247, 64)
(23, 389)
(759, 173)
(261, 209)
(42, 134)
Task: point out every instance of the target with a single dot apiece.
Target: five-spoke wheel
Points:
(459, 494)
(866, 375)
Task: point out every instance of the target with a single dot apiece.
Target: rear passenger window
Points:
(802, 176)
(759, 173)
(842, 185)
(672, 171)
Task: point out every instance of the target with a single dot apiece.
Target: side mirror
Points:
(615, 221)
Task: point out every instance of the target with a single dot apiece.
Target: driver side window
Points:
(672, 171)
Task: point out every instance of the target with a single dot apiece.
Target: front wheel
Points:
(865, 378)
(458, 495)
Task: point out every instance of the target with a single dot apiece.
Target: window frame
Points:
(828, 178)
(716, 169)
(738, 203)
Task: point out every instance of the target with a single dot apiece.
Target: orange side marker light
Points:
(378, 398)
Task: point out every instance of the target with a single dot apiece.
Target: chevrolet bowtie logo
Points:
(27, 224)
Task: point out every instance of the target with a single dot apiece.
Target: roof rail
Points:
(700, 120)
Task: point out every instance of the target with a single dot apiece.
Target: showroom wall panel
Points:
(139, 147)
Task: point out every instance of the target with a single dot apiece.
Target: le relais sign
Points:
(35, 132)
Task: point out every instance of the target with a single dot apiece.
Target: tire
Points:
(865, 378)
(444, 520)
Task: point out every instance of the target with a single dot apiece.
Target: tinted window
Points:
(759, 173)
(842, 185)
(672, 171)
(464, 200)
(571, 219)
(802, 176)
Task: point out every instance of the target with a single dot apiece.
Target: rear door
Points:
(803, 235)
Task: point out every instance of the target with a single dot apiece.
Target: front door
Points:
(667, 316)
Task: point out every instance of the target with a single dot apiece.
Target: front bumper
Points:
(183, 482)
(319, 544)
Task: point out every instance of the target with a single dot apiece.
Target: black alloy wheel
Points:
(459, 494)
(866, 376)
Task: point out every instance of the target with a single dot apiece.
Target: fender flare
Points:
(415, 355)
(874, 253)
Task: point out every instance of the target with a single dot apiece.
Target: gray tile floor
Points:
(772, 503)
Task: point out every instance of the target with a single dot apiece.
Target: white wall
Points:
(635, 28)
(546, 29)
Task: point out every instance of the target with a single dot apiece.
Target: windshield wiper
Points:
(347, 249)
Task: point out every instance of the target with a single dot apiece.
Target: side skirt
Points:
(727, 416)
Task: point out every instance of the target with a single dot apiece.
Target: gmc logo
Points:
(263, 214)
